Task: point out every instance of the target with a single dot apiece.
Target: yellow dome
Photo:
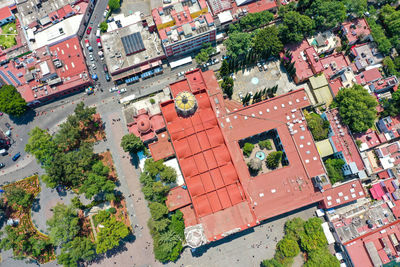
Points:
(185, 103)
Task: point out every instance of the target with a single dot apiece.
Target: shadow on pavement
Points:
(28, 117)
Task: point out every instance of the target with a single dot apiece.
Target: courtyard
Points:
(8, 34)
(252, 79)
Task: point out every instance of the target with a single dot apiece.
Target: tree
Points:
(96, 184)
(64, 225)
(294, 228)
(247, 149)
(274, 159)
(294, 27)
(271, 262)
(288, 247)
(131, 143)
(41, 145)
(313, 237)
(357, 108)
(254, 20)
(18, 196)
(356, 7)
(265, 144)
(110, 234)
(334, 169)
(227, 86)
(168, 174)
(78, 249)
(158, 210)
(321, 258)
(69, 135)
(84, 114)
(238, 44)
(224, 70)
(103, 26)
(389, 66)
(11, 101)
(202, 57)
(318, 126)
(266, 42)
(379, 36)
(177, 224)
(114, 4)
(326, 14)
(255, 164)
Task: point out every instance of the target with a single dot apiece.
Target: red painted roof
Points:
(368, 76)
(358, 252)
(5, 12)
(343, 140)
(177, 198)
(314, 60)
(162, 148)
(333, 63)
(303, 68)
(145, 125)
(342, 194)
(370, 137)
(355, 28)
(335, 85)
(254, 7)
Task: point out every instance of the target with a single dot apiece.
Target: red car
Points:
(89, 29)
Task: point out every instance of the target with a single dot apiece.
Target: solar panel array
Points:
(6, 79)
(133, 43)
(13, 77)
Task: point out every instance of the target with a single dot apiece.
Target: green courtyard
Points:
(7, 37)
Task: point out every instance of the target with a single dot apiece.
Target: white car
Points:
(265, 66)
(233, 76)
(105, 13)
(113, 89)
(121, 91)
(216, 60)
(191, 69)
(94, 66)
(180, 73)
(91, 57)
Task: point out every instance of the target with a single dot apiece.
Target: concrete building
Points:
(184, 27)
(133, 52)
(6, 16)
(357, 31)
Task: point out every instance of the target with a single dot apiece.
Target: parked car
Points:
(2, 165)
(233, 76)
(108, 78)
(8, 125)
(240, 94)
(265, 66)
(98, 33)
(90, 49)
(180, 73)
(105, 13)
(105, 68)
(89, 29)
(94, 66)
(87, 44)
(91, 57)
(3, 152)
(259, 66)
(113, 89)
(98, 42)
(216, 60)
(16, 156)
(121, 91)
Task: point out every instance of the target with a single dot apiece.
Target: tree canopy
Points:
(318, 126)
(252, 21)
(357, 108)
(41, 145)
(205, 53)
(227, 86)
(294, 27)
(266, 42)
(326, 14)
(103, 26)
(110, 234)
(274, 159)
(131, 143)
(334, 169)
(356, 7)
(114, 4)
(64, 225)
(289, 247)
(379, 36)
(18, 196)
(11, 101)
(78, 249)
(238, 44)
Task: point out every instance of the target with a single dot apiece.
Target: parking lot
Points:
(254, 79)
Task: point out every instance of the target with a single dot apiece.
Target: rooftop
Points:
(59, 68)
(388, 155)
(146, 125)
(5, 12)
(388, 190)
(324, 42)
(366, 55)
(334, 64)
(369, 76)
(162, 148)
(119, 59)
(303, 68)
(343, 194)
(355, 29)
(342, 139)
(252, 7)
(32, 10)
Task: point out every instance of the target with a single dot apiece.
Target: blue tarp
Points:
(157, 70)
(94, 77)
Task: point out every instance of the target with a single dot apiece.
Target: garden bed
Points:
(25, 225)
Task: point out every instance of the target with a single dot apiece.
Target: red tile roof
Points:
(335, 85)
(5, 12)
(333, 63)
(303, 68)
(343, 140)
(146, 125)
(354, 29)
(162, 148)
(368, 76)
(357, 247)
(178, 198)
(342, 194)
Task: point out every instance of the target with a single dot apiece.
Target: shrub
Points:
(265, 144)
(318, 126)
(247, 149)
(273, 159)
(152, 101)
(112, 210)
(288, 247)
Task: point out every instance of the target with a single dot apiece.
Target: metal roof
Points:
(133, 43)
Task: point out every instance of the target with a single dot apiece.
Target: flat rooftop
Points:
(33, 10)
(115, 54)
